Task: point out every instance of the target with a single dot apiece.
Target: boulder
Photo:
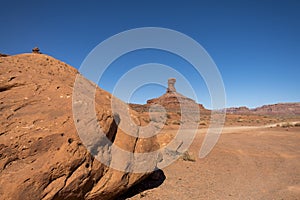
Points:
(42, 156)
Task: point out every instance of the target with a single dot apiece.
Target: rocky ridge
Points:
(279, 109)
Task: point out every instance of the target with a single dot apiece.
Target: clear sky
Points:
(255, 44)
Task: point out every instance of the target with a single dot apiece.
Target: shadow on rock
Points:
(153, 181)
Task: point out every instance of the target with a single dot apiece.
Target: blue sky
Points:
(255, 44)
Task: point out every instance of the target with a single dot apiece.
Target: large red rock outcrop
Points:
(172, 101)
(41, 154)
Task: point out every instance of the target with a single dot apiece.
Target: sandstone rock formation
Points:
(171, 85)
(179, 108)
(172, 101)
(41, 154)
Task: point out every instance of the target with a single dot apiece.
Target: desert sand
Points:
(247, 163)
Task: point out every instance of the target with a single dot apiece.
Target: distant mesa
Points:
(279, 109)
(238, 110)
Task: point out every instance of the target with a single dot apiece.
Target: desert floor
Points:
(247, 163)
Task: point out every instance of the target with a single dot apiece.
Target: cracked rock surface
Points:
(41, 154)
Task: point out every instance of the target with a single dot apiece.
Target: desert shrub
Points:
(187, 157)
(286, 125)
(297, 124)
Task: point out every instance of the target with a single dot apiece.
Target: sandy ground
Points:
(247, 163)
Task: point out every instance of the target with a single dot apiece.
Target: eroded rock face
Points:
(178, 108)
(172, 101)
(41, 154)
